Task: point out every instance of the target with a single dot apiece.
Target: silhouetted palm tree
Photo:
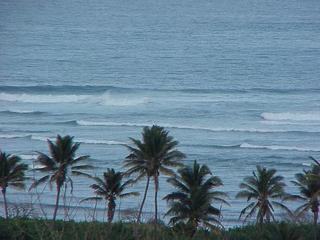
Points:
(192, 202)
(309, 188)
(155, 154)
(261, 191)
(61, 161)
(110, 188)
(12, 174)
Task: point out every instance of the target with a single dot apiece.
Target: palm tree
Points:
(155, 154)
(192, 203)
(59, 163)
(261, 191)
(110, 188)
(12, 173)
(309, 188)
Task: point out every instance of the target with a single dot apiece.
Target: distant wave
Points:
(26, 112)
(292, 116)
(84, 141)
(253, 146)
(276, 147)
(126, 124)
(9, 136)
(101, 99)
(104, 88)
(104, 142)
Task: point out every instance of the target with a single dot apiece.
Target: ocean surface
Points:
(237, 83)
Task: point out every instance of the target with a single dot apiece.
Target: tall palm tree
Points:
(309, 188)
(192, 202)
(262, 190)
(110, 188)
(155, 154)
(59, 163)
(12, 173)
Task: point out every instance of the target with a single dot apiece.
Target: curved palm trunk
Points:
(94, 211)
(57, 203)
(315, 223)
(192, 227)
(156, 189)
(111, 210)
(143, 200)
(5, 202)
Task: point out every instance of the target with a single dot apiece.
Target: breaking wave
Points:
(276, 147)
(127, 124)
(106, 99)
(292, 116)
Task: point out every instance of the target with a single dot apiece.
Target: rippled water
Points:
(236, 82)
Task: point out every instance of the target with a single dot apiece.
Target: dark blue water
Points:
(236, 82)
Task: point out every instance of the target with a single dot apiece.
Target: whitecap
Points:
(292, 116)
(278, 147)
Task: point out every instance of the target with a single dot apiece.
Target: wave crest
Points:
(292, 116)
(106, 99)
(276, 147)
(127, 124)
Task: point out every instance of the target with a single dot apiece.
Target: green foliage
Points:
(59, 163)
(12, 172)
(155, 154)
(192, 202)
(261, 191)
(36, 229)
(110, 188)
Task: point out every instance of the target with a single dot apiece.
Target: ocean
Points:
(237, 83)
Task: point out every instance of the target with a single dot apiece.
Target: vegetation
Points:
(309, 188)
(36, 229)
(155, 154)
(110, 188)
(57, 166)
(261, 191)
(12, 173)
(192, 206)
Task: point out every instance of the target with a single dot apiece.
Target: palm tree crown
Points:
(111, 187)
(155, 154)
(192, 203)
(308, 184)
(12, 173)
(59, 163)
(261, 190)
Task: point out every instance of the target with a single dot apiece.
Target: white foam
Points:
(276, 147)
(106, 99)
(22, 111)
(40, 138)
(106, 142)
(292, 116)
(126, 124)
(8, 136)
(41, 98)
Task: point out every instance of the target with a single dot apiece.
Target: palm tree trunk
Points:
(57, 203)
(315, 223)
(143, 200)
(111, 209)
(5, 202)
(94, 211)
(156, 189)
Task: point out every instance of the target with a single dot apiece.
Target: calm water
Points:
(236, 82)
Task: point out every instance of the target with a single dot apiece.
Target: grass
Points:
(37, 229)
